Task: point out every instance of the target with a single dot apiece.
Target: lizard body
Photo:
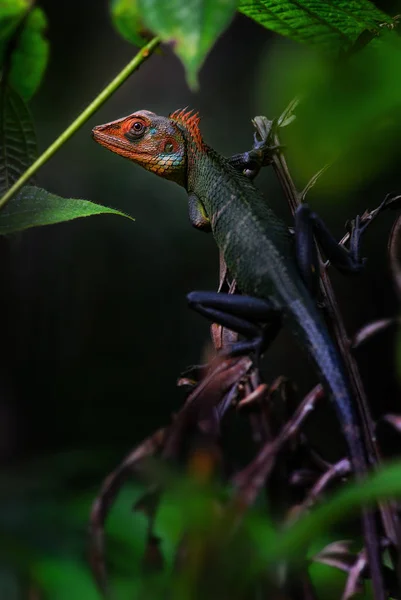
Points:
(256, 245)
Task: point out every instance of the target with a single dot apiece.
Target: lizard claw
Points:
(263, 139)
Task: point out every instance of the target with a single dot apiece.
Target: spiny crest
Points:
(189, 120)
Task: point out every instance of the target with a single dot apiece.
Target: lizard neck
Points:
(200, 165)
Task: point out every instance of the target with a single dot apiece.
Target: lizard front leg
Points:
(197, 214)
(250, 162)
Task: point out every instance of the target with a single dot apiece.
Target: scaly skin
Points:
(254, 242)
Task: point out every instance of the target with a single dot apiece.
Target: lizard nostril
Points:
(97, 129)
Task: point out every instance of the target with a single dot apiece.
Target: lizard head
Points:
(156, 143)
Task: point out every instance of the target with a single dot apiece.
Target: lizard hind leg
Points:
(255, 319)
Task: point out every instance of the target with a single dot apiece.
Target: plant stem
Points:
(132, 66)
(389, 520)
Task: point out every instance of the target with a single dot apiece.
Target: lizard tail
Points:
(335, 381)
(313, 330)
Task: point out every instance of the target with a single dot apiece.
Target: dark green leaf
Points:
(29, 59)
(125, 15)
(193, 26)
(17, 138)
(34, 207)
(332, 24)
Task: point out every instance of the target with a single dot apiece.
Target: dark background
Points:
(95, 323)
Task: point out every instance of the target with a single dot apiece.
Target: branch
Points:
(132, 66)
(280, 167)
(250, 480)
(339, 469)
(389, 519)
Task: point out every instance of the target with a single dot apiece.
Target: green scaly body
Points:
(256, 244)
(259, 252)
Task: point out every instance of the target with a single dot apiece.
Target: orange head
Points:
(156, 143)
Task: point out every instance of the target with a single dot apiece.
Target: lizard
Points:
(275, 270)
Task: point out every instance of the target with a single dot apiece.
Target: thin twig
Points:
(104, 95)
(224, 374)
(353, 584)
(104, 501)
(250, 480)
(394, 251)
(371, 330)
(254, 397)
(339, 469)
(337, 555)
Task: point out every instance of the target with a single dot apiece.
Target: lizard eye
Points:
(137, 128)
(168, 147)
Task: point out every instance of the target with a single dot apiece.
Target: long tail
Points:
(329, 363)
(321, 347)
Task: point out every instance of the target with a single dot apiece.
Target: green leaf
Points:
(192, 25)
(11, 13)
(65, 579)
(383, 484)
(125, 15)
(17, 137)
(332, 24)
(29, 59)
(34, 207)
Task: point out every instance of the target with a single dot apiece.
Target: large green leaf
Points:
(23, 48)
(34, 207)
(192, 25)
(332, 24)
(17, 137)
(126, 19)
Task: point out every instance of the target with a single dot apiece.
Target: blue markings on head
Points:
(153, 130)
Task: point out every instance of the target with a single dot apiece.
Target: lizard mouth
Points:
(107, 139)
(115, 143)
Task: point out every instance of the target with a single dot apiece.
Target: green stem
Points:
(132, 66)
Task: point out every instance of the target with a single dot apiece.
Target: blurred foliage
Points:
(24, 27)
(11, 14)
(125, 15)
(44, 540)
(220, 551)
(348, 116)
(30, 56)
(192, 26)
